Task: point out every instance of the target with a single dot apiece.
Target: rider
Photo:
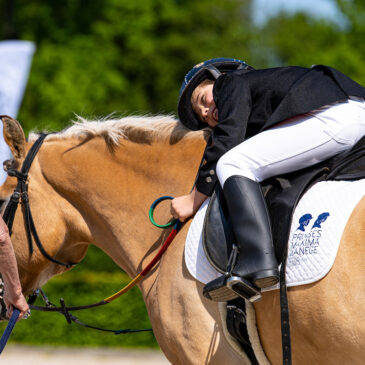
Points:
(264, 123)
(13, 296)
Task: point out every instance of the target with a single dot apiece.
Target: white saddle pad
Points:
(318, 223)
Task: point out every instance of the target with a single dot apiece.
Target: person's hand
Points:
(185, 206)
(13, 296)
(16, 300)
(182, 207)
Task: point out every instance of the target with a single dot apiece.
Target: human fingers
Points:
(22, 314)
(25, 315)
(179, 214)
(19, 303)
(23, 306)
(181, 218)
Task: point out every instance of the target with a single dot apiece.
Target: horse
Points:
(93, 183)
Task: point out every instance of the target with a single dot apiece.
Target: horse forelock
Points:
(138, 129)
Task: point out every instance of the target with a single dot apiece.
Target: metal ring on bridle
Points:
(153, 206)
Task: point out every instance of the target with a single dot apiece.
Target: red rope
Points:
(162, 250)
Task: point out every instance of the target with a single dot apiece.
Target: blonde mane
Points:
(138, 129)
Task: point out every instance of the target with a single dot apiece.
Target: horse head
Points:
(54, 218)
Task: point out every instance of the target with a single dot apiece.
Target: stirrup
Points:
(226, 288)
(218, 291)
(238, 285)
(243, 288)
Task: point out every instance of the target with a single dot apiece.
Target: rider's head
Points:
(195, 107)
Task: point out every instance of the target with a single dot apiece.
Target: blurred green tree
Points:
(97, 57)
(300, 39)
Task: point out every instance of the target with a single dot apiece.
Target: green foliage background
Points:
(96, 57)
(95, 279)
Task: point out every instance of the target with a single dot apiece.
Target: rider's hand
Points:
(16, 299)
(185, 206)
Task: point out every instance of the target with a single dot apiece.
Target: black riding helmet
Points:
(210, 69)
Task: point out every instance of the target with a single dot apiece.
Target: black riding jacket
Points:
(250, 101)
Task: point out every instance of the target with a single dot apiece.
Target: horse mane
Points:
(138, 129)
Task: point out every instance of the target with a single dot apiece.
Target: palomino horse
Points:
(93, 183)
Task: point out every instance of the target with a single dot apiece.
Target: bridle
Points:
(21, 194)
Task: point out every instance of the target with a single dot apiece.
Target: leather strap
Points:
(21, 191)
(65, 311)
(284, 313)
(237, 326)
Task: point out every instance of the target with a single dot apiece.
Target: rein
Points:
(21, 193)
(9, 328)
(65, 310)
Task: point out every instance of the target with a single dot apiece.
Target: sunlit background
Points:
(97, 57)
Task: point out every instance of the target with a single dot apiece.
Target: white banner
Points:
(15, 60)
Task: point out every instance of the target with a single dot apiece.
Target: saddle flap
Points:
(218, 236)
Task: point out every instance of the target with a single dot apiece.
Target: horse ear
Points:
(14, 137)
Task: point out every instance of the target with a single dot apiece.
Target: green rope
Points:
(152, 209)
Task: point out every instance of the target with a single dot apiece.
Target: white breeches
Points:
(296, 143)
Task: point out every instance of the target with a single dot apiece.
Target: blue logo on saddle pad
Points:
(321, 218)
(304, 221)
(306, 218)
(304, 242)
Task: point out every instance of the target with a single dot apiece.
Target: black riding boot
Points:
(256, 266)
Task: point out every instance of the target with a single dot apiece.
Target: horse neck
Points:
(113, 190)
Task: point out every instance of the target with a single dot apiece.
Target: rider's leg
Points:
(296, 144)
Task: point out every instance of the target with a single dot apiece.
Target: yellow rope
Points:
(129, 286)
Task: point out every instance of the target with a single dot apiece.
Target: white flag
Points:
(15, 61)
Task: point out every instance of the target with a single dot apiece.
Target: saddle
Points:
(282, 193)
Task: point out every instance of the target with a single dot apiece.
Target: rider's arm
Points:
(13, 296)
